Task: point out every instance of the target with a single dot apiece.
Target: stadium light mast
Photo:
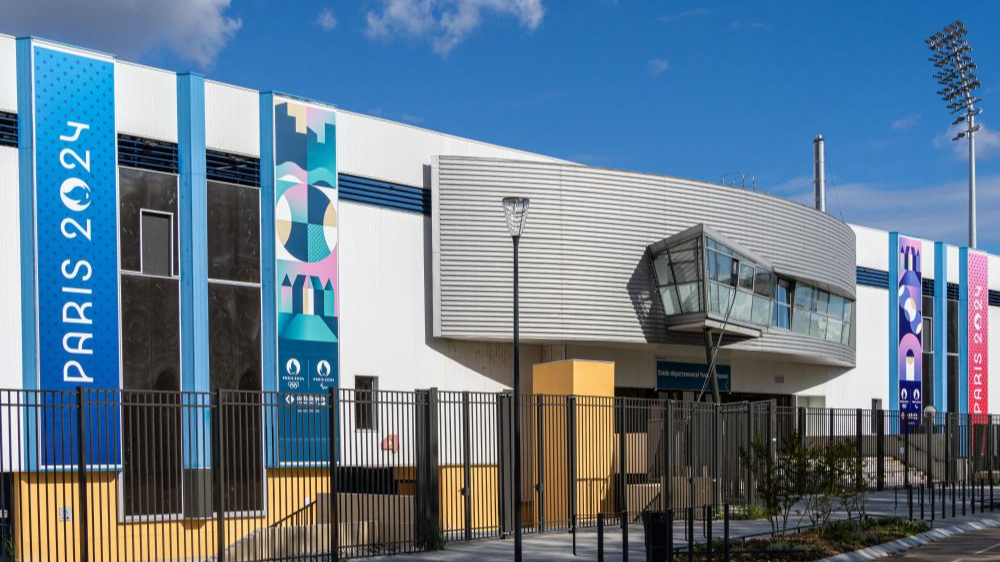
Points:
(958, 82)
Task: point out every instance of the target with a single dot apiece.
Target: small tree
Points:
(779, 478)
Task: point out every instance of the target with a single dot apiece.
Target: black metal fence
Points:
(119, 475)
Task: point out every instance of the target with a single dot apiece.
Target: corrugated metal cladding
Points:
(232, 119)
(8, 73)
(146, 101)
(584, 274)
(10, 274)
(376, 148)
(8, 129)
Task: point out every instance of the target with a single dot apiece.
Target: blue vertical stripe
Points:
(194, 259)
(963, 327)
(893, 321)
(940, 327)
(26, 189)
(268, 296)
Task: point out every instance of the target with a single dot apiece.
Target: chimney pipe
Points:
(819, 172)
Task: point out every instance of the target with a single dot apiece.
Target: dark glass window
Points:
(151, 455)
(234, 329)
(365, 406)
(156, 232)
(142, 192)
(233, 232)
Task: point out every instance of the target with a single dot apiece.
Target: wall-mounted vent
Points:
(8, 129)
(868, 277)
(148, 154)
(384, 194)
(953, 291)
(232, 168)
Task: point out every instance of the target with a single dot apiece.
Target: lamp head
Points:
(515, 210)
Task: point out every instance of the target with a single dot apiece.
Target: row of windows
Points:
(741, 289)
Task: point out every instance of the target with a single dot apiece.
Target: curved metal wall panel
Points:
(584, 275)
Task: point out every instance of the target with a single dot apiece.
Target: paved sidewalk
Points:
(559, 545)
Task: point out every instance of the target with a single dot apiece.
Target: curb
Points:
(904, 544)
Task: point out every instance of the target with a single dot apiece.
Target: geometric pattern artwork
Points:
(306, 262)
(910, 342)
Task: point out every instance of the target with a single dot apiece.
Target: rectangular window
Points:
(233, 232)
(142, 192)
(151, 429)
(156, 235)
(366, 390)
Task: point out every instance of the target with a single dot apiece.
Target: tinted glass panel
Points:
(364, 410)
(661, 264)
(156, 231)
(138, 190)
(671, 305)
(233, 232)
(952, 326)
(234, 333)
(151, 444)
(690, 297)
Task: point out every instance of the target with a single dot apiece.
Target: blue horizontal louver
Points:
(232, 168)
(148, 154)
(953, 292)
(928, 287)
(8, 129)
(873, 278)
(384, 194)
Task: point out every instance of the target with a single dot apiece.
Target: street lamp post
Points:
(516, 211)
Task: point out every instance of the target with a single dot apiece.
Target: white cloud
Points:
(657, 67)
(761, 26)
(934, 211)
(327, 20)
(446, 23)
(195, 30)
(905, 123)
(686, 14)
(987, 142)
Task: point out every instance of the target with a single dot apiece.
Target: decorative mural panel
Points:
(910, 302)
(978, 334)
(305, 223)
(76, 240)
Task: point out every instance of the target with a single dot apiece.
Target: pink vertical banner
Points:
(978, 330)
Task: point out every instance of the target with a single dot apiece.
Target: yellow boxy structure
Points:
(576, 476)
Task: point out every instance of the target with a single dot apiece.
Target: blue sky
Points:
(680, 88)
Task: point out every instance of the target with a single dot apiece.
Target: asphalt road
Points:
(974, 546)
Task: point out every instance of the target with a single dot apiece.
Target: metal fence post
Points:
(333, 442)
(622, 464)
(801, 425)
(772, 424)
(716, 489)
(571, 456)
(749, 471)
(81, 468)
(540, 459)
(667, 443)
(427, 520)
(859, 431)
(929, 433)
(504, 500)
(467, 464)
(218, 463)
(880, 449)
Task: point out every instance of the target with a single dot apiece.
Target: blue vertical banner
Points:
(76, 241)
(306, 274)
(941, 389)
(909, 357)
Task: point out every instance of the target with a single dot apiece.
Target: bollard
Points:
(573, 523)
(930, 492)
(909, 500)
(600, 537)
(690, 533)
(953, 511)
(670, 535)
(921, 502)
(963, 497)
(725, 533)
(710, 517)
(624, 536)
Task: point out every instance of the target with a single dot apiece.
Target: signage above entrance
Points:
(671, 375)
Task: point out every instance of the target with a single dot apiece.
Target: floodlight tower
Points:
(958, 82)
